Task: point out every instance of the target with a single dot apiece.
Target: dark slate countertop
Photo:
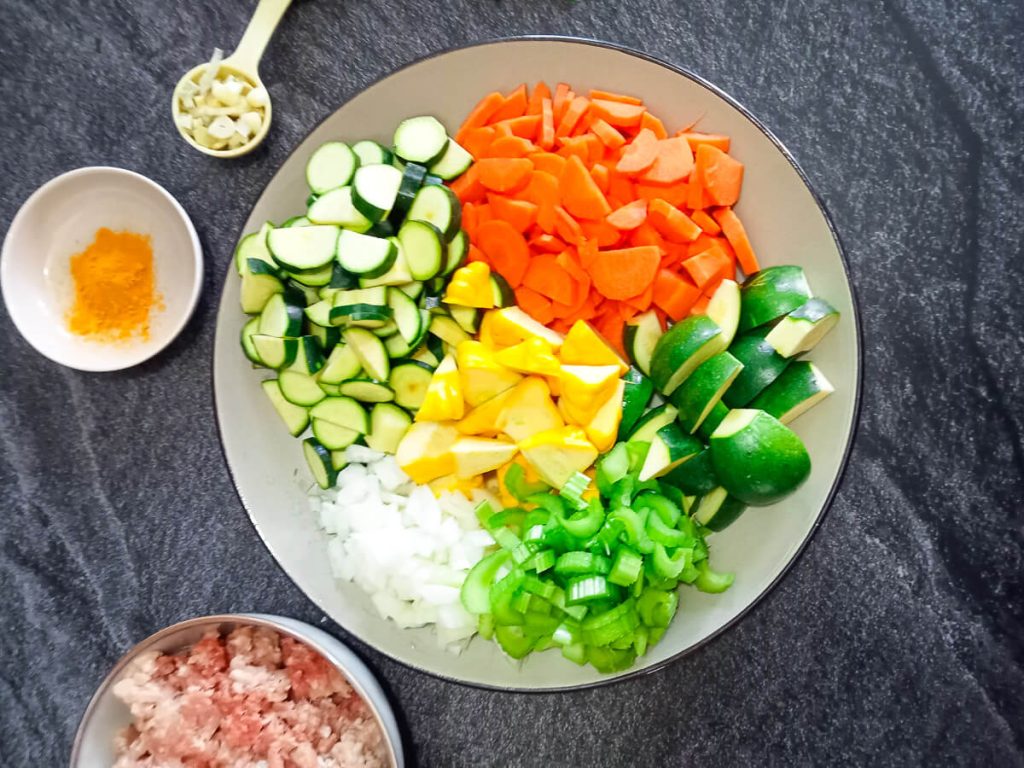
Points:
(897, 637)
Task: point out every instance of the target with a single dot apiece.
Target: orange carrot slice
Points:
(695, 139)
(502, 174)
(671, 223)
(626, 272)
(721, 175)
(617, 113)
(521, 214)
(537, 95)
(513, 106)
(611, 96)
(649, 121)
(673, 163)
(608, 135)
(640, 154)
(736, 234)
(511, 146)
(705, 222)
(505, 248)
(581, 196)
(481, 113)
(629, 216)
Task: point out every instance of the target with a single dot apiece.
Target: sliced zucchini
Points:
(296, 221)
(406, 314)
(438, 206)
(319, 313)
(724, 309)
(457, 251)
(321, 463)
(343, 411)
(770, 294)
(423, 249)
(341, 279)
(339, 460)
(281, 316)
(254, 246)
(342, 364)
(373, 357)
(372, 153)
(257, 289)
(717, 510)
(274, 351)
(802, 329)
(398, 274)
(425, 356)
(410, 380)
(374, 190)
(420, 140)
(670, 447)
(328, 336)
(388, 425)
(362, 316)
(694, 477)
(682, 348)
(331, 166)
(696, 396)
(309, 358)
(295, 417)
(639, 337)
(333, 437)
(367, 391)
(316, 278)
(331, 390)
(304, 249)
(412, 289)
(336, 207)
(398, 347)
(382, 229)
(365, 255)
(468, 318)
(304, 294)
(389, 329)
(501, 292)
(635, 397)
(250, 329)
(446, 329)
(652, 421)
(800, 387)
(412, 180)
(453, 163)
(300, 388)
(713, 419)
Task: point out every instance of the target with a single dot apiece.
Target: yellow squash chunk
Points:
(470, 286)
(483, 420)
(534, 355)
(585, 346)
(603, 428)
(454, 483)
(425, 453)
(558, 453)
(529, 410)
(444, 398)
(481, 376)
(588, 386)
(476, 455)
(509, 326)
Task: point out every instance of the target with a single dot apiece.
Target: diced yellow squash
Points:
(456, 484)
(571, 414)
(425, 452)
(476, 455)
(529, 410)
(535, 355)
(481, 376)
(444, 398)
(509, 326)
(585, 346)
(470, 286)
(588, 386)
(483, 420)
(603, 428)
(558, 453)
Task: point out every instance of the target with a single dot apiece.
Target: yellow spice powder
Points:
(114, 286)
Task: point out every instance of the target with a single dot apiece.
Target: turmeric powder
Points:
(114, 286)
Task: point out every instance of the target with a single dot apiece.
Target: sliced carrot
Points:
(595, 149)
(525, 127)
(608, 135)
(646, 234)
(629, 216)
(475, 254)
(604, 233)
(610, 325)
(647, 120)
(695, 139)
(548, 161)
(481, 113)
(705, 222)
(599, 172)
(673, 164)
(483, 213)
(670, 193)
(571, 116)
(587, 252)
(513, 106)
(563, 95)
(468, 187)
(566, 227)
(542, 190)
(707, 266)
(583, 124)
(580, 194)
(575, 146)
(501, 129)
(736, 234)
(547, 277)
(506, 249)
(620, 187)
(469, 220)
(547, 244)
(521, 214)
(640, 154)
(535, 305)
(696, 197)
(674, 294)
(537, 95)
(642, 301)
(619, 274)
(546, 139)
(721, 175)
(700, 306)
(503, 174)
(511, 146)
(617, 113)
(477, 140)
(704, 242)
(671, 223)
(611, 96)
(675, 254)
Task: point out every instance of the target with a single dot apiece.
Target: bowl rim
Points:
(259, 619)
(857, 332)
(6, 280)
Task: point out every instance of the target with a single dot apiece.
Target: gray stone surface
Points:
(895, 640)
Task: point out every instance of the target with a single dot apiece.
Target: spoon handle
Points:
(261, 27)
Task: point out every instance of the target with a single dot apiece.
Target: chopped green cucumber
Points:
(396, 276)
(640, 336)
(438, 206)
(406, 314)
(372, 153)
(302, 249)
(717, 510)
(321, 463)
(257, 289)
(454, 162)
(468, 318)
(254, 246)
(713, 419)
(330, 166)
(367, 391)
(315, 278)
(670, 447)
(295, 417)
(388, 425)
(342, 364)
(724, 309)
(250, 329)
(336, 207)
(374, 189)
(300, 388)
(656, 418)
(309, 358)
(332, 436)
(635, 397)
(694, 477)
(342, 411)
(802, 329)
(281, 317)
(682, 348)
(365, 255)
(319, 313)
(373, 357)
(501, 292)
(412, 180)
(275, 351)
(696, 396)
(770, 294)
(423, 249)
(456, 253)
(409, 381)
(420, 140)
(761, 366)
(446, 329)
(800, 387)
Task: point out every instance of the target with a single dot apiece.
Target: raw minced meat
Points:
(252, 699)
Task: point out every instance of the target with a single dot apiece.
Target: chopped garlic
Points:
(222, 127)
(258, 97)
(211, 71)
(252, 120)
(227, 92)
(184, 121)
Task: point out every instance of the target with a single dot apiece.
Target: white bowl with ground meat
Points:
(239, 690)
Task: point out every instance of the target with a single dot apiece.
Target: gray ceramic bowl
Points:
(106, 715)
(787, 225)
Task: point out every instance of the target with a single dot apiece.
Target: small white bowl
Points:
(107, 715)
(59, 220)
